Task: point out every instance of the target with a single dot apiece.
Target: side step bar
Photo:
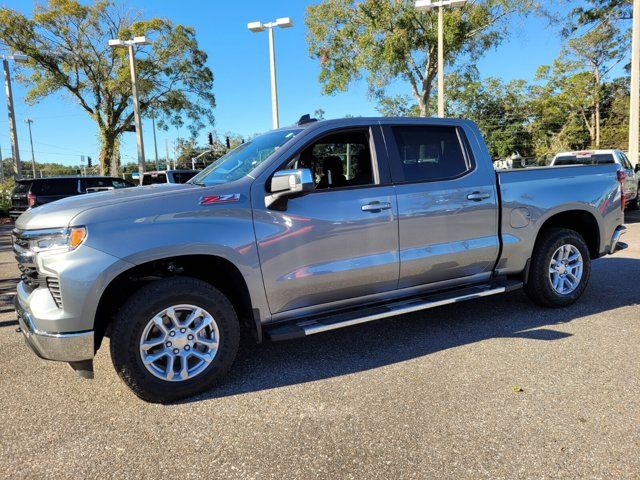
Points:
(318, 324)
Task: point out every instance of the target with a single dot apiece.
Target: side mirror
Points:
(637, 168)
(286, 184)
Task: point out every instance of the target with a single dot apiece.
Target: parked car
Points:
(301, 230)
(628, 173)
(168, 176)
(30, 192)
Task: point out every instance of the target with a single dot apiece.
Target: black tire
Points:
(635, 203)
(142, 306)
(539, 287)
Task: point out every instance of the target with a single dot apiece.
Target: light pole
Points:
(427, 6)
(634, 113)
(33, 157)
(259, 27)
(13, 133)
(134, 91)
(155, 142)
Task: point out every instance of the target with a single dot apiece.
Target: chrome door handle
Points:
(478, 196)
(376, 206)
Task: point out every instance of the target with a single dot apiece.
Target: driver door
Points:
(339, 243)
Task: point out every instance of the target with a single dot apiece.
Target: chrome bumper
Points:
(62, 347)
(615, 239)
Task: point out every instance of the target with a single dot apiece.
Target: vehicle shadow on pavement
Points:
(369, 346)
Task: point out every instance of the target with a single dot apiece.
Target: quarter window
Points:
(429, 153)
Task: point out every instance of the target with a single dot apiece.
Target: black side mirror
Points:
(637, 168)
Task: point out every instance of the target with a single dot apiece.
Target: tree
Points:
(500, 110)
(67, 45)
(577, 78)
(388, 40)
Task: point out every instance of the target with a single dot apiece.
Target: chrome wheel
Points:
(179, 342)
(565, 270)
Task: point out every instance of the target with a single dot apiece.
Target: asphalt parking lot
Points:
(495, 388)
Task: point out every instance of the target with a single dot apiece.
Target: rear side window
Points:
(429, 153)
(154, 178)
(55, 186)
(22, 187)
(625, 161)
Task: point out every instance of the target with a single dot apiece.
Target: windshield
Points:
(243, 159)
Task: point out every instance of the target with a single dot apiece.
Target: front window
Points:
(243, 159)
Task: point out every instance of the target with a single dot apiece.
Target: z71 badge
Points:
(213, 199)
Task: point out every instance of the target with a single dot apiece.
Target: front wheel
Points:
(560, 268)
(174, 338)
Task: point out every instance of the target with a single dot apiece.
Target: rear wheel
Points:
(174, 338)
(560, 268)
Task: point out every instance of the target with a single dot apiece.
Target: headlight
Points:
(65, 239)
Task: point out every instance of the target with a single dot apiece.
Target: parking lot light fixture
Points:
(130, 44)
(427, 6)
(256, 27)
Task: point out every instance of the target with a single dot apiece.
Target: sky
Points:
(239, 59)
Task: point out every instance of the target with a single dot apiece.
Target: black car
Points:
(168, 176)
(32, 192)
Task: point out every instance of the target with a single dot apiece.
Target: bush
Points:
(6, 188)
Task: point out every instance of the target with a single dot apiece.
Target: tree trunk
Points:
(423, 103)
(108, 153)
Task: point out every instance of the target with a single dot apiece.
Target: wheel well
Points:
(217, 271)
(580, 221)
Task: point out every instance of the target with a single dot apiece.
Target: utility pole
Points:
(13, 133)
(1, 166)
(130, 44)
(259, 27)
(155, 142)
(33, 156)
(427, 6)
(167, 165)
(441, 61)
(634, 113)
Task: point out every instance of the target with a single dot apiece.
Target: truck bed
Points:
(531, 196)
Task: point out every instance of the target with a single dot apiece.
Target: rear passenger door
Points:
(447, 205)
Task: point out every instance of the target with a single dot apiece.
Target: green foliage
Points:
(390, 40)
(500, 110)
(6, 188)
(67, 45)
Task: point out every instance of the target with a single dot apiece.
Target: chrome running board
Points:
(318, 324)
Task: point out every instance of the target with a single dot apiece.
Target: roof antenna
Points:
(306, 118)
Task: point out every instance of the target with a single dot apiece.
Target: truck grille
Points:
(54, 287)
(28, 272)
(29, 276)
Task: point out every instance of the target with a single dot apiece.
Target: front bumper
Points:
(62, 347)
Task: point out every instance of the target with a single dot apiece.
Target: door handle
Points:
(478, 196)
(376, 206)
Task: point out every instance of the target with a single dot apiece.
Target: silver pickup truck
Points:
(302, 230)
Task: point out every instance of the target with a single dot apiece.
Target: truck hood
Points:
(60, 213)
